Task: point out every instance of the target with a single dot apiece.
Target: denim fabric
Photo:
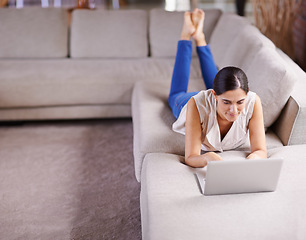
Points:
(178, 96)
(208, 67)
(178, 101)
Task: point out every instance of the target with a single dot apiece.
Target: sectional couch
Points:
(99, 64)
(60, 65)
(172, 205)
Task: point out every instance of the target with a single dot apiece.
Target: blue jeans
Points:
(178, 96)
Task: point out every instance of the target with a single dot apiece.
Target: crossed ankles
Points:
(193, 27)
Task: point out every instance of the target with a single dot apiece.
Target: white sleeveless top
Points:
(211, 138)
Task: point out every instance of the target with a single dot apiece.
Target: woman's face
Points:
(230, 104)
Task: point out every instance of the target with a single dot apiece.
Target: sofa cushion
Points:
(152, 122)
(272, 79)
(244, 47)
(172, 206)
(33, 33)
(162, 41)
(291, 126)
(109, 34)
(54, 82)
(226, 31)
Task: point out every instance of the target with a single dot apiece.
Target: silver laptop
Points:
(240, 176)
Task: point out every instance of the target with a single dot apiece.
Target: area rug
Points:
(68, 180)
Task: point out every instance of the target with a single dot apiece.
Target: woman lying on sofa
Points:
(220, 118)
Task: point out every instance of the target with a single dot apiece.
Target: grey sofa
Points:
(53, 69)
(172, 206)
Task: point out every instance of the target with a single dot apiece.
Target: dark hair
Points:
(230, 78)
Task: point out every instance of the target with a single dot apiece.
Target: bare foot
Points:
(197, 18)
(188, 27)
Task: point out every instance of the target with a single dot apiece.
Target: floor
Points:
(68, 180)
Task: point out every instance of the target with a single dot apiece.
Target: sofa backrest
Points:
(244, 47)
(225, 32)
(273, 80)
(165, 30)
(33, 33)
(109, 34)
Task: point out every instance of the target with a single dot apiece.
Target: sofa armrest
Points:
(290, 127)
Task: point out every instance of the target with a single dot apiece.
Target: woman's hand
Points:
(212, 156)
(202, 160)
(259, 154)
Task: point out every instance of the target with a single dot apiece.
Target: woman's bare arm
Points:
(193, 135)
(257, 132)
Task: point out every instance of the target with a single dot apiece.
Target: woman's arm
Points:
(193, 134)
(257, 132)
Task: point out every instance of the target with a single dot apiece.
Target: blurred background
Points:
(282, 21)
(170, 5)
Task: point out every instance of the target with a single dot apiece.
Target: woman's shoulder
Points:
(250, 103)
(205, 97)
(252, 94)
(207, 92)
(251, 98)
(205, 103)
